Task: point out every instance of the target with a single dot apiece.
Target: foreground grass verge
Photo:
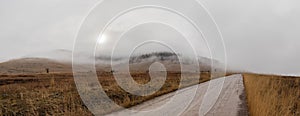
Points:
(269, 95)
(56, 94)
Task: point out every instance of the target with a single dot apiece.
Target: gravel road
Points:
(230, 102)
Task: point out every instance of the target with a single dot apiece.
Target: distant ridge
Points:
(34, 65)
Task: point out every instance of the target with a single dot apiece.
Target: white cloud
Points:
(260, 35)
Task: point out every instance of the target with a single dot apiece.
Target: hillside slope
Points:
(33, 66)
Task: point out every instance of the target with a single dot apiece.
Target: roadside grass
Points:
(48, 96)
(56, 94)
(269, 95)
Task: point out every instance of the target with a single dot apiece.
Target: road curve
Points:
(231, 101)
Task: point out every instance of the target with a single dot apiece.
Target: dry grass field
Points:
(272, 95)
(40, 95)
(56, 94)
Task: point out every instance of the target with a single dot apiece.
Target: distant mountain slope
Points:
(33, 66)
(170, 61)
(139, 63)
(58, 55)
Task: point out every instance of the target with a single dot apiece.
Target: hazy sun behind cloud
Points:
(102, 39)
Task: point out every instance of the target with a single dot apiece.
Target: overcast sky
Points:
(260, 35)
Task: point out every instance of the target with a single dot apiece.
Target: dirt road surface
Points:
(231, 101)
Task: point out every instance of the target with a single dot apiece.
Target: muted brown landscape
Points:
(56, 94)
(149, 57)
(27, 89)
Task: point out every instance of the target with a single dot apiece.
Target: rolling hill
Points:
(139, 63)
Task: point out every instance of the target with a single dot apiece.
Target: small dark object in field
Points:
(47, 70)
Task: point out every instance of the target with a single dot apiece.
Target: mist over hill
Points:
(61, 61)
(171, 61)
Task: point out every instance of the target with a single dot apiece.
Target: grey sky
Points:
(260, 35)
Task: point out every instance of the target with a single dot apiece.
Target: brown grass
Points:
(56, 94)
(44, 97)
(272, 95)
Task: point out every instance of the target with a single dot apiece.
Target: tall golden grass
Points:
(56, 94)
(269, 95)
(47, 97)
